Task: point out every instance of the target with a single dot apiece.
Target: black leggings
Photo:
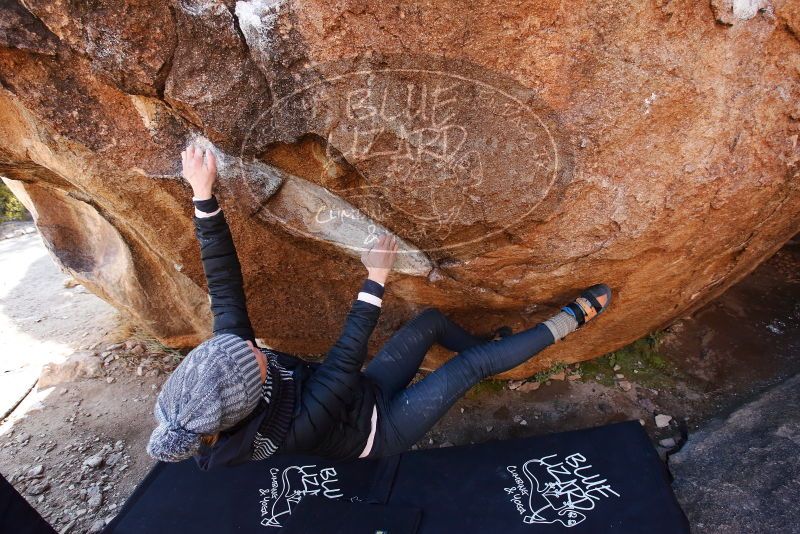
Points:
(409, 412)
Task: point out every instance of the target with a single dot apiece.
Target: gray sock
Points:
(561, 324)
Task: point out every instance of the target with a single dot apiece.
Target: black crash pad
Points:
(597, 480)
(16, 515)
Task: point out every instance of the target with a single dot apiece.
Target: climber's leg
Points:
(399, 359)
(414, 410)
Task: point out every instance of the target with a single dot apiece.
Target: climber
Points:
(230, 401)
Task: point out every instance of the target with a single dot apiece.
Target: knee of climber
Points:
(432, 318)
(430, 314)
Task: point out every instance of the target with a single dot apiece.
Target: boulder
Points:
(78, 365)
(520, 153)
(740, 473)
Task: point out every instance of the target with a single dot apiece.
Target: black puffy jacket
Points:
(333, 399)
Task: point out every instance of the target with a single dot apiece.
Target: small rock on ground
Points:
(94, 461)
(663, 420)
(81, 364)
(667, 443)
(528, 386)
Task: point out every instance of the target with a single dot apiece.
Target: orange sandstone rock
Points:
(520, 151)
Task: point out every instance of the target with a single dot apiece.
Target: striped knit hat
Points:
(217, 385)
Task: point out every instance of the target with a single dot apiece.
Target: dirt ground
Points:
(77, 450)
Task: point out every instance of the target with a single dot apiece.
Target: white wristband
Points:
(370, 299)
(202, 215)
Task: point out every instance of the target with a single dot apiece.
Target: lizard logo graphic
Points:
(557, 491)
(289, 486)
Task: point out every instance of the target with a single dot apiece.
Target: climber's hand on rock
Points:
(200, 170)
(380, 258)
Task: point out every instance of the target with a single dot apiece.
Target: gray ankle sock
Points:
(561, 324)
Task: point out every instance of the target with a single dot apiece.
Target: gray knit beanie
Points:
(217, 385)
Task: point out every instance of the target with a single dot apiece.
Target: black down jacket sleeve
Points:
(224, 276)
(327, 394)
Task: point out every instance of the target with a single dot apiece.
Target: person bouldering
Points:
(230, 401)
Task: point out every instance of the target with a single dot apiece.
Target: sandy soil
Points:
(45, 317)
(41, 318)
(49, 444)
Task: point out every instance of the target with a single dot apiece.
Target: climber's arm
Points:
(331, 388)
(349, 351)
(217, 251)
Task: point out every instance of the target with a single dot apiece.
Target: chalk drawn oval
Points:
(444, 157)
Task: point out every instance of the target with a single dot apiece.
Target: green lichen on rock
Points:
(486, 387)
(640, 362)
(543, 376)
